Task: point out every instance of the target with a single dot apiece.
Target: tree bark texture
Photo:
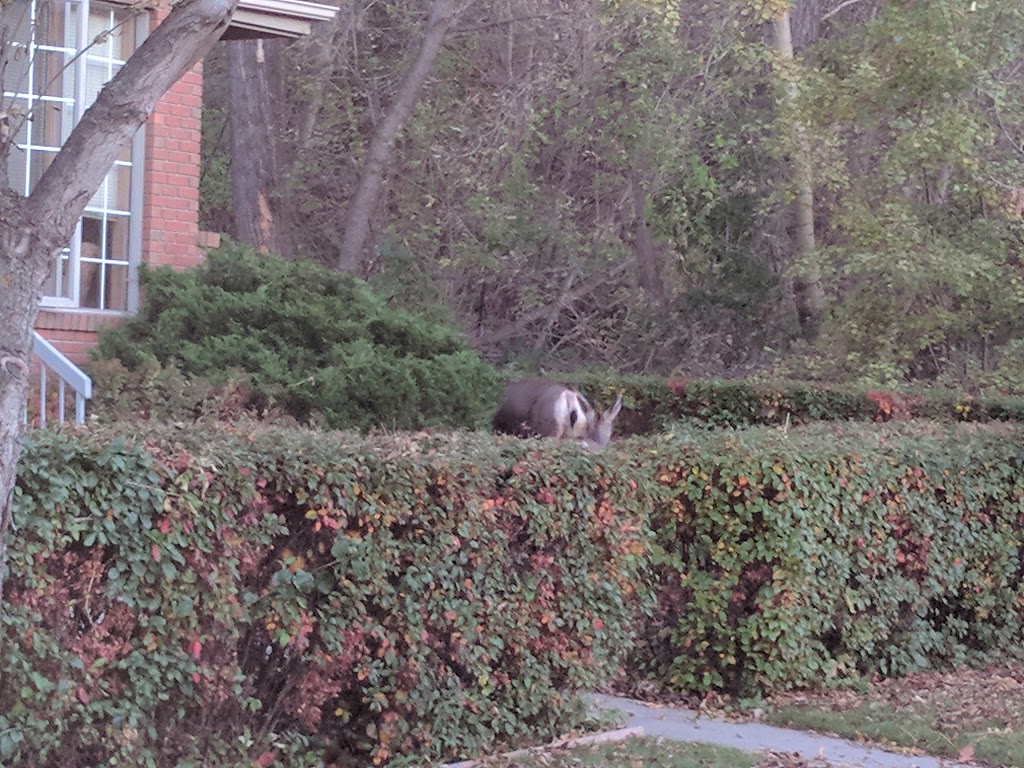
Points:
(255, 173)
(33, 229)
(648, 273)
(809, 296)
(360, 209)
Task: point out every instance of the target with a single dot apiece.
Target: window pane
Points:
(16, 165)
(51, 123)
(58, 284)
(104, 262)
(38, 161)
(16, 75)
(45, 79)
(116, 287)
(51, 74)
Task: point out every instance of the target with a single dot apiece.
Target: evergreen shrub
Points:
(312, 342)
(237, 595)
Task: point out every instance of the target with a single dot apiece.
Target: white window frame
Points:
(102, 55)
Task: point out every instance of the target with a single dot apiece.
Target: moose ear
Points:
(614, 410)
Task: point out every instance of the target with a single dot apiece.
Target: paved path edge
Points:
(685, 725)
(620, 734)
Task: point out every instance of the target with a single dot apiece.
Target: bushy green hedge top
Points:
(312, 340)
(654, 402)
(796, 558)
(245, 595)
(432, 595)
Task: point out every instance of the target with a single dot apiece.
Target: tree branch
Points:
(837, 9)
(357, 221)
(121, 108)
(515, 328)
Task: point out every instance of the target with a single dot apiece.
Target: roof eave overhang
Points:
(277, 18)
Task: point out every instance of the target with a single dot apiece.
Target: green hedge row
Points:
(230, 595)
(449, 398)
(209, 597)
(655, 404)
(792, 559)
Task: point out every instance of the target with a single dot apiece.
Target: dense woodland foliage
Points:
(616, 184)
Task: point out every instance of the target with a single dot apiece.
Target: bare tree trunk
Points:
(255, 173)
(34, 229)
(808, 294)
(648, 273)
(357, 221)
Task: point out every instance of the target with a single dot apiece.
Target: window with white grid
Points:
(64, 53)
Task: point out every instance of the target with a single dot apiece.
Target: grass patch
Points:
(966, 714)
(870, 722)
(894, 728)
(646, 751)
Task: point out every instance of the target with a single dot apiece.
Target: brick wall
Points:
(170, 216)
(170, 220)
(74, 333)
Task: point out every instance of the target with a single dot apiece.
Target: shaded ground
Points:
(686, 725)
(963, 700)
(968, 717)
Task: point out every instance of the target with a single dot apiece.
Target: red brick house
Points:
(147, 211)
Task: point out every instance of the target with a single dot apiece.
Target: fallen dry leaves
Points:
(969, 699)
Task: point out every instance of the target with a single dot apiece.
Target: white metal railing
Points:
(68, 375)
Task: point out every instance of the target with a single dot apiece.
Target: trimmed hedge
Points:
(792, 559)
(215, 597)
(237, 594)
(655, 404)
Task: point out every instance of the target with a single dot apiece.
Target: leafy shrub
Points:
(312, 341)
(653, 403)
(228, 597)
(790, 560)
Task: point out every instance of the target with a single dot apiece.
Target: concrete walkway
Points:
(684, 725)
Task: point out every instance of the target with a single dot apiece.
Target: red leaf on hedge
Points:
(156, 553)
(164, 525)
(82, 695)
(267, 758)
(195, 648)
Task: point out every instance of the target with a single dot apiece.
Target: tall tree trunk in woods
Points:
(33, 229)
(357, 221)
(648, 273)
(808, 294)
(255, 176)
